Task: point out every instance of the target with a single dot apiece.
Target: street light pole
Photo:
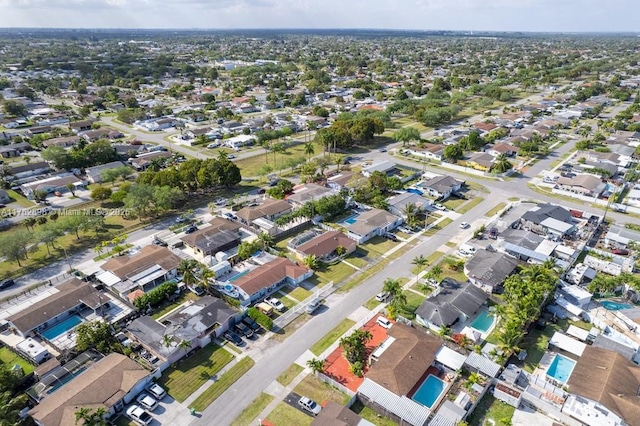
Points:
(68, 260)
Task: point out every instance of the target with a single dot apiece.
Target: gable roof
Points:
(270, 207)
(585, 181)
(125, 266)
(221, 233)
(28, 167)
(334, 414)
(490, 267)
(101, 385)
(269, 274)
(441, 183)
(610, 379)
(454, 298)
(405, 361)
(309, 192)
(70, 293)
(370, 220)
(326, 243)
(399, 201)
(538, 214)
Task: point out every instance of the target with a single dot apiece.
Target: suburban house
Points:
(309, 192)
(334, 414)
(450, 303)
(386, 167)
(144, 270)
(238, 141)
(548, 219)
(481, 161)
(142, 161)
(52, 184)
(270, 209)
(197, 323)
(4, 197)
(28, 170)
(371, 223)
(587, 185)
(503, 148)
(111, 383)
(488, 269)
(484, 127)
(324, 246)
(94, 135)
(396, 373)
(620, 236)
(525, 245)
(340, 181)
(427, 150)
(39, 130)
(267, 278)
(72, 297)
(604, 383)
(399, 202)
(442, 186)
(14, 149)
(94, 174)
(62, 142)
(221, 235)
(80, 126)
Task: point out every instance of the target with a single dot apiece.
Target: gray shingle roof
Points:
(490, 267)
(453, 299)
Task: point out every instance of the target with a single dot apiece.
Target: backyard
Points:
(187, 375)
(10, 359)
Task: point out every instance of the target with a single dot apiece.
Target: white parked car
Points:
(147, 401)
(276, 304)
(464, 225)
(310, 405)
(384, 322)
(139, 415)
(157, 391)
(382, 296)
(440, 207)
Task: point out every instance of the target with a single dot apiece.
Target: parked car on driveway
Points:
(382, 296)
(313, 306)
(190, 229)
(383, 322)
(234, 338)
(243, 329)
(139, 415)
(310, 405)
(147, 401)
(156, 391)
(252, 324)
(276, 304)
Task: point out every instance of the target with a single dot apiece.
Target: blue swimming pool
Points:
(483, 322)
(561, 368)
(61, 328)
(235, 277)
(614, 306)
(351, 219)
(429, 391)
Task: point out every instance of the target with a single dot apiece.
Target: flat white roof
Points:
(108, 278)
(450, 358)
(577, 332)
(567, 343)
(546, 247)
(556, 225)
(577, 292)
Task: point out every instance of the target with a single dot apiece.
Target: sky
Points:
(467, 15)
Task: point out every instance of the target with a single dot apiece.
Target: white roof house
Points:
(566, 343)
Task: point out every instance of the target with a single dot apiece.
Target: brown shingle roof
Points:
(218, 224)
(270, 207)
(402, 365)
(69, 294)
(124, 266)
(269, 274)
(102, 385)
(326, 243)
(610, 379)
(334, 414)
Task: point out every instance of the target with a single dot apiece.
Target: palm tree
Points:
(397, 299)
(167, 340)
(411, 213)
(29, 222)
(337, 160)
(420, 262)
(309, 150)
(10, 407)
(266, 240)
(444, 332)
(508, 339)
(436, 272)
(188, 267)
(316, 365)
(502, 164)
(311, 261)
(341, 250)
(184, 345)
(206, 275)
(91, 417)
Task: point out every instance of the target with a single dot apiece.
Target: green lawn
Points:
(186, 376)
(371, 304)
(370, 415)
(471, 204)
(329, 338)
(319, 391)
(454, 203)
(290, 328)
(20, 199)
(170, 306)
(448, 273)
(378, 245)
(413, 301)
(286, 415)
(299, 293)
(287, 376)
(252, 411)
(491, 412)
(441, 225)
(222, 384)
(357, 260)
(364, 275)
(335, 273)
(10, 359)
(495, 210)
(422, 288)
(251, 166)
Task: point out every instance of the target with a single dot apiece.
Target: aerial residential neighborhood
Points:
(319, 228)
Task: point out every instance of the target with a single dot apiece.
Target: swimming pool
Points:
(235, 277)
(351, 219)
(61, 328)
(483, 322)
(614, 306)
(561, 368)
(429, 391)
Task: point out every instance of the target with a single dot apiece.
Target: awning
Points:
(566, 343)
(108, 278)
(450, 358)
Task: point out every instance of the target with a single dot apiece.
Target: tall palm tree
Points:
(309, 150)
(502, 164)
(266, 240)
(206, 275)
(311, 261)
(420, 263)
(397, 299)
(316, 365)
(337, 160)
(188, 268)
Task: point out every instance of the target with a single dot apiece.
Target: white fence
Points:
(293, 313)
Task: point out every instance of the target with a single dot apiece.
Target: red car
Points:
(621, 252)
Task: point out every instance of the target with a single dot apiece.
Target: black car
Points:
(243, 329)
(252, 324)
(6, 283)
(261, 191)
(191, 228)
(234, 338)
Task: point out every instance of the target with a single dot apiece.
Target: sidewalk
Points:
(280, 392)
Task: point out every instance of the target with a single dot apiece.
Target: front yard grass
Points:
(222, 384)
(356, 259)
(471, 204)
(319, 391)
(186, 376)
(378, 245)
(329, 338)
(252, 411)
(20, 199)
(491, 411)
(439, 226)
(336, 272)
(413, 301)
(287, 376)
(454, 203)
(371, 304)
(495, 209)
(286, 415)
(299, 293)
(290, 328)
